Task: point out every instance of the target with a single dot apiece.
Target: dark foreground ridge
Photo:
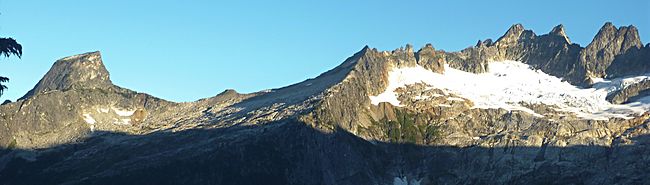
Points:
(297, 154)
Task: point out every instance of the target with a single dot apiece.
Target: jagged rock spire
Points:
(514, 35)
(608, 43)
(559, 31)
(628, 36)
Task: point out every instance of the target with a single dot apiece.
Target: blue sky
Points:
(184, 51)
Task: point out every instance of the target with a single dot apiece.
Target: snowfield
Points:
(90, 120)
(508, 83)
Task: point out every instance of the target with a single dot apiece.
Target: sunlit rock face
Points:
(74, 99)
(524, 108)
(84, 71)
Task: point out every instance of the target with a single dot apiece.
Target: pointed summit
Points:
(631, 37)
(409, 48)
(428, 58)
(514, 34)
(610, 36)
(607, 26)
(608, 43)
(559, 31)
(606, 33)
(515, 28)
(366, 50)
(85, 70)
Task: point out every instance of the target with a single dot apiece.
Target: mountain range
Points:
(524, 109)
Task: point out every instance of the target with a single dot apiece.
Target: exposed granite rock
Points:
(58, 117)
(85, 70)
(630, 92)
(73, 99)
(369, 76)
(552, 53)
(613, 52)
(428, 58)
(486, 43)
(633, 62)
(608, 43)
(514, 36)
(74, 128)
(559, 31)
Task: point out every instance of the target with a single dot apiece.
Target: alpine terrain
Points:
(522, 109)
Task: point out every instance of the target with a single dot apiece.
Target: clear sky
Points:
(186, 50)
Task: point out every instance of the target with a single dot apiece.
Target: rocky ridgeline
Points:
(80, 71)
(346, 103)
(437, 121)
(614, 52)
(76, 127)
(74, 98)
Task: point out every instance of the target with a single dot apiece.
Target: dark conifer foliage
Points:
(8, 47)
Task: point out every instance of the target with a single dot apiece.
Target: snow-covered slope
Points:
(508, 83)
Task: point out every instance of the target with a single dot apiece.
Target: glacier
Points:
(508, 83)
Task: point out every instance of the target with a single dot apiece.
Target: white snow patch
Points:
(386, 96)
(103, 110)
(508, 83)
(400, 181)
(421, 97)
(405, 181)
(123, 112)
(612, 85)
(126, 121)
(90, 120)
(437, 95)
(455, 99)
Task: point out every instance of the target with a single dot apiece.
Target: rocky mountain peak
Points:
(427, 47)
(515, 29)
(402, 50)
(365, 51)
(229, 93)
(607, 26)
(84, 70)
(409, 48)
(559, 31)
(631, 37)
(622, 38)
(514, 35)
(608, 43)
(607, 32)
(381, 117)
(485, 43)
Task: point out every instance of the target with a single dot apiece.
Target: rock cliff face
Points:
(84, 71)
(614, 52)
(609, 43)
(355, 124)
(74, 98)
(637, 90)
